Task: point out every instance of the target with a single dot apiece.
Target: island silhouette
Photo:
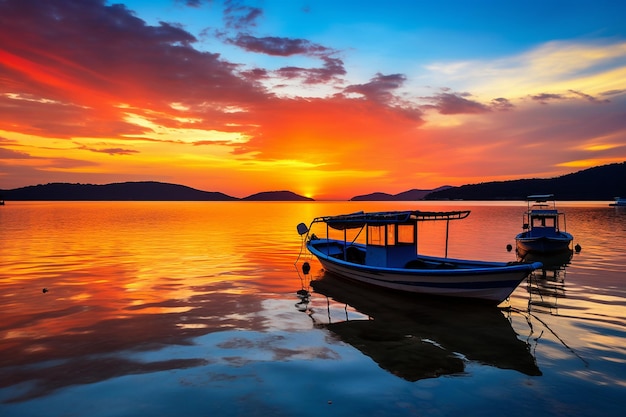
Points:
(594, 184)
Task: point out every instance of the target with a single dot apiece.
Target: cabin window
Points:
(544, 222)
(406, 233)
(376, 235)
(391, 234)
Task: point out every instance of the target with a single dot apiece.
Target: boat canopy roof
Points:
(541, 205)
(544, 213)
(540, 198)
(360, 219)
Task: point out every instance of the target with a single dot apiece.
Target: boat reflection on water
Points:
(547, 284)
(415, 337)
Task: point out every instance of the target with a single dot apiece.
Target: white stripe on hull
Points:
(471, 286)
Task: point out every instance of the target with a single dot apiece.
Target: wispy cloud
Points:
(456, 103)
(240, 16)
(273, 45)
(380, 89)
(543, 98)
(109, 151)
(563, 65)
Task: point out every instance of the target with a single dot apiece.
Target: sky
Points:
(328, 99)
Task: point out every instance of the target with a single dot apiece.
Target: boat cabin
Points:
(391, 239)
(391, 245)
(542, 218)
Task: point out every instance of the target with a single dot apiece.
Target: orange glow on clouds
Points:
(126, 101)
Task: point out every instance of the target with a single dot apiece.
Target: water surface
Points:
(166, 308)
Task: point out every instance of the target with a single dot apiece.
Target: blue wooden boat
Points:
(543, 228)
(380, 249)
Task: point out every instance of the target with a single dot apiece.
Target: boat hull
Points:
(543, 244)
(488, 281)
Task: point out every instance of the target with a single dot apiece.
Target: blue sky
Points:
(397, 35)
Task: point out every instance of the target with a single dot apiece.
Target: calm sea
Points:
(190, 309)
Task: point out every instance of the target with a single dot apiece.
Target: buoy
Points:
(306, 268)
(509, 247)
(45, 290)
(302, 229)
(577, 248)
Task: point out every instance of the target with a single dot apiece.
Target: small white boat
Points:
(619, 202)
(542, 228)
(387, 256)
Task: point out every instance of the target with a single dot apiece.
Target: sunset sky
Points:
(328, 99)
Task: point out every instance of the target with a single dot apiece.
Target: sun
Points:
(308, 192)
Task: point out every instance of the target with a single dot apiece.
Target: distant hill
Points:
(132, 191)
(601, 183)
(411, 195)
(594, 184)
(276, 196)
(373, 197)
(126, 191)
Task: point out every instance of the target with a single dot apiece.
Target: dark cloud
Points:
(75, 67)
(333, 68)
(543, 98)
(4, 140)
(11, 154)
(457, 103)
(190, 3)
(110, 151)
(501, 104)
(272, 45)
(256, 74)
(238, 16)
(95, 45)
(588, 97)
(380, 88)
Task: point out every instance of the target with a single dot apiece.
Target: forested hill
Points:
(133, 191)
(593, 184)
(126, 191)
(411, 195)
(277, 196)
